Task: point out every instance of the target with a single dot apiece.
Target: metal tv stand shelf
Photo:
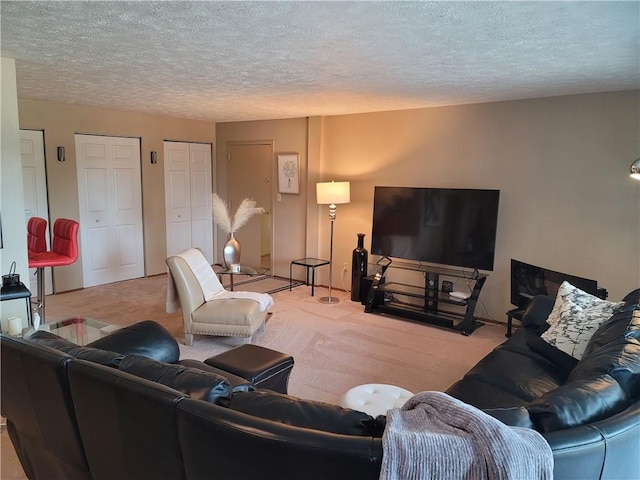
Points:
(433, 309)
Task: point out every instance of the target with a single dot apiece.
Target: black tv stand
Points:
(433, 308)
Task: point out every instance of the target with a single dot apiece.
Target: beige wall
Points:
(11, 191)
(567, 202)
(289, 214)
(561, 164)
(61, 122)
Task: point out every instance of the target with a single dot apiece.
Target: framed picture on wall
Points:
(289, 173)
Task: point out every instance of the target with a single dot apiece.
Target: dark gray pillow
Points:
(297, 412)
(195, 383)
(95, 355)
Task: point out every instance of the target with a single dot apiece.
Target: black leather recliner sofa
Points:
(126, 407)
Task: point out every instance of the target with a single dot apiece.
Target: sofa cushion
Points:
(575, 317)
(147, 338)
(614, 349)
(525, 375)
(193, 382)
(238, 384)
(95, 355)
(294, 411)
(632, 298)
(512, 416)
(552, 353)
(577, 403)
(536, 314)
(483, 395)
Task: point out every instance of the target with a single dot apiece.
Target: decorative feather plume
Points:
(222, 217)
(221, 214)
(246, 210)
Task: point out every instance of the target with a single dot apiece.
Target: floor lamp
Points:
(332, 193)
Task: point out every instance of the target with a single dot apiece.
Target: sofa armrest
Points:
(536, 314)
(239, 384)
(147, 338)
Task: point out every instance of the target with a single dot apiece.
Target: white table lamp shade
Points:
(333, 193)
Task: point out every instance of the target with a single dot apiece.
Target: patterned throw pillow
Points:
(576, 315)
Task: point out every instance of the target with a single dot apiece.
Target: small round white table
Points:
(375, 398)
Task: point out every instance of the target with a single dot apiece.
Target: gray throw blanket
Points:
(435, 436)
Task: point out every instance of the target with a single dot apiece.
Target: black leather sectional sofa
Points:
(127, 407)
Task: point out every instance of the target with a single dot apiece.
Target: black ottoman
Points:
(263, 367)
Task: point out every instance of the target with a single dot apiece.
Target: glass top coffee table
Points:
(244, 270)
(81, 330)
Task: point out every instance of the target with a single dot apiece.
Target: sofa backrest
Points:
(604, 382)
(215, 440)
(127, 424)
(36, 401)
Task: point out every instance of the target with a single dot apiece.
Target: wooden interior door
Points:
(249, 168)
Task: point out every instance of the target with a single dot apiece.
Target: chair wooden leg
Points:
(188, 339)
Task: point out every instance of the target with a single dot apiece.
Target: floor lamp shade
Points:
(332, 193)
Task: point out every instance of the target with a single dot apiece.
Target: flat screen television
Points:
(447, 226)
(528, 280)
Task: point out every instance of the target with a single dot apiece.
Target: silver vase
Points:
(231, 251)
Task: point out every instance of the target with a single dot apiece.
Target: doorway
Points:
(250, 166)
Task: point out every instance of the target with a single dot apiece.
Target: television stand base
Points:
(440, 319)
(433, 301)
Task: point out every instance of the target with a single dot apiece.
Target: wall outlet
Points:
(344, 266)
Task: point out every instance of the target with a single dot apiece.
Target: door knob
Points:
(267, 212)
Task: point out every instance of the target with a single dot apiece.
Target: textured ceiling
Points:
(228, 61)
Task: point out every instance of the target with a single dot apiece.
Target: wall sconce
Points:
(61, 157)
(635, 169)
(154, 158)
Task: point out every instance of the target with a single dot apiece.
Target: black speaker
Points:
(365, 286)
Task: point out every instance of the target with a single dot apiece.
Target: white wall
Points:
(14, 229)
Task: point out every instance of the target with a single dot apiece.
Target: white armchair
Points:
(234, 317)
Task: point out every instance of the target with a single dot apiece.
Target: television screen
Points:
(438, 225)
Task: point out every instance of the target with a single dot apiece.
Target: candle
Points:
(15, 326)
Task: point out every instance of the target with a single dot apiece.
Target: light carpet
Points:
(336, 347)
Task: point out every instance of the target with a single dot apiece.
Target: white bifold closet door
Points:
(187, 183)
(34, 178)
(110, 201)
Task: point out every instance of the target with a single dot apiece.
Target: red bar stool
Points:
(36, 235)
(64, 251)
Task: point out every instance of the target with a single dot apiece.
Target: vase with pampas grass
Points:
(229, 225)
